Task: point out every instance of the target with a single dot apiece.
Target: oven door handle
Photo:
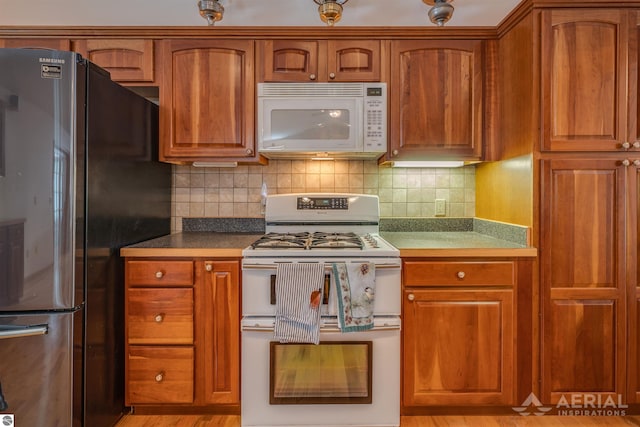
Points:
(330, 328)
(327, 268)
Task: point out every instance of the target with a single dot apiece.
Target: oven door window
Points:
(331, 372)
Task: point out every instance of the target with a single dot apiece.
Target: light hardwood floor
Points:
(435, 421)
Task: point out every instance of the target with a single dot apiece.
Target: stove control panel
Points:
(309, 203)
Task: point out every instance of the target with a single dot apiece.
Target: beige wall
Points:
(403, 192)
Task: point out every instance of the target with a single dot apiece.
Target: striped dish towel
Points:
(299, 287)
(355, 285)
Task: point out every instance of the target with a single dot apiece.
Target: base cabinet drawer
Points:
(453, 273)
(160, 316)
(160, 273)
(160, 375)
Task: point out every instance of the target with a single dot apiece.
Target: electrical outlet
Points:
(441, 207)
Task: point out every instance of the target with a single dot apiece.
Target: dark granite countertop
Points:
(454, 244)
(192, 244)
(411, 244)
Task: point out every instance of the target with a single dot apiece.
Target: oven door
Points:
(349, 379)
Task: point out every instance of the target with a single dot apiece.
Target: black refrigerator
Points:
(79, 179)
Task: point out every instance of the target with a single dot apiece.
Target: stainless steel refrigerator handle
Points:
(328, 268)
(23, 331)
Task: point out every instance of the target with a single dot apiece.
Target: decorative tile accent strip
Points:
(426, 224)
(224, 225)
(500, 230)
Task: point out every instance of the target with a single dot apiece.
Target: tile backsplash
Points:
(236, 192)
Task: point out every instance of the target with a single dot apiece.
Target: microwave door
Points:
(296, 125)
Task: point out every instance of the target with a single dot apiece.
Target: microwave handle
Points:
(273, 148)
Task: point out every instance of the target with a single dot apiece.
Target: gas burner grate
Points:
(306, 240)
(335, 240)
(282, 241)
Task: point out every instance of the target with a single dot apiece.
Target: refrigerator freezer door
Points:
(37, 375)
(38, 175)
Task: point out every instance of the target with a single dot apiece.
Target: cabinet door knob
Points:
(411, 297)
(208, 267)
(394, 152)
(332, 76)
(249, 151)
(159, 274)
(312, 77)
(159, 377)
(636, 144)
(460, 274)
(626, 145)
(159, 317)
(626, 162)
(636, 162)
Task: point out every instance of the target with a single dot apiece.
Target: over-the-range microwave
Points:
(308, 120)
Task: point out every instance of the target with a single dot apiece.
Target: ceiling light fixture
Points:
(211, 10)
(441, 11)
(330, 10)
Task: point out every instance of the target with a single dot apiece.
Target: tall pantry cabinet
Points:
(589, 174)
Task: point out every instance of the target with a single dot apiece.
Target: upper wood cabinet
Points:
(128, 60)
(319, 60)
(436, 100)
(589, 62)
(57, 44)
(207, 101)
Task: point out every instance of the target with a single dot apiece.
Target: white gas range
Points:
(349, 378)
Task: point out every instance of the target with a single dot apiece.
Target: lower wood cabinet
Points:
(182, 333)
(459, 333)
(218, 332)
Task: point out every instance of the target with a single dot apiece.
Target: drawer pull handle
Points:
(209, 267)
(411, 297)
(159, 318)
(460, 274)
(159, 377)
(159, 274)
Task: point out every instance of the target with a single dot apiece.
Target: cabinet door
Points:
(207, 101)
(128, 60)
(633, 262)
(289, 60)
(353, 60)
(583, 278)
(218, 332)
(436, 95)
(584, 79)
(458, 347)
(58, 44)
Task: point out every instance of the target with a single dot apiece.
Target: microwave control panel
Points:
(375, 117)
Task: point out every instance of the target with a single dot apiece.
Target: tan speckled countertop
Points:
(454, 244)
(411, 244)
(192, 244)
